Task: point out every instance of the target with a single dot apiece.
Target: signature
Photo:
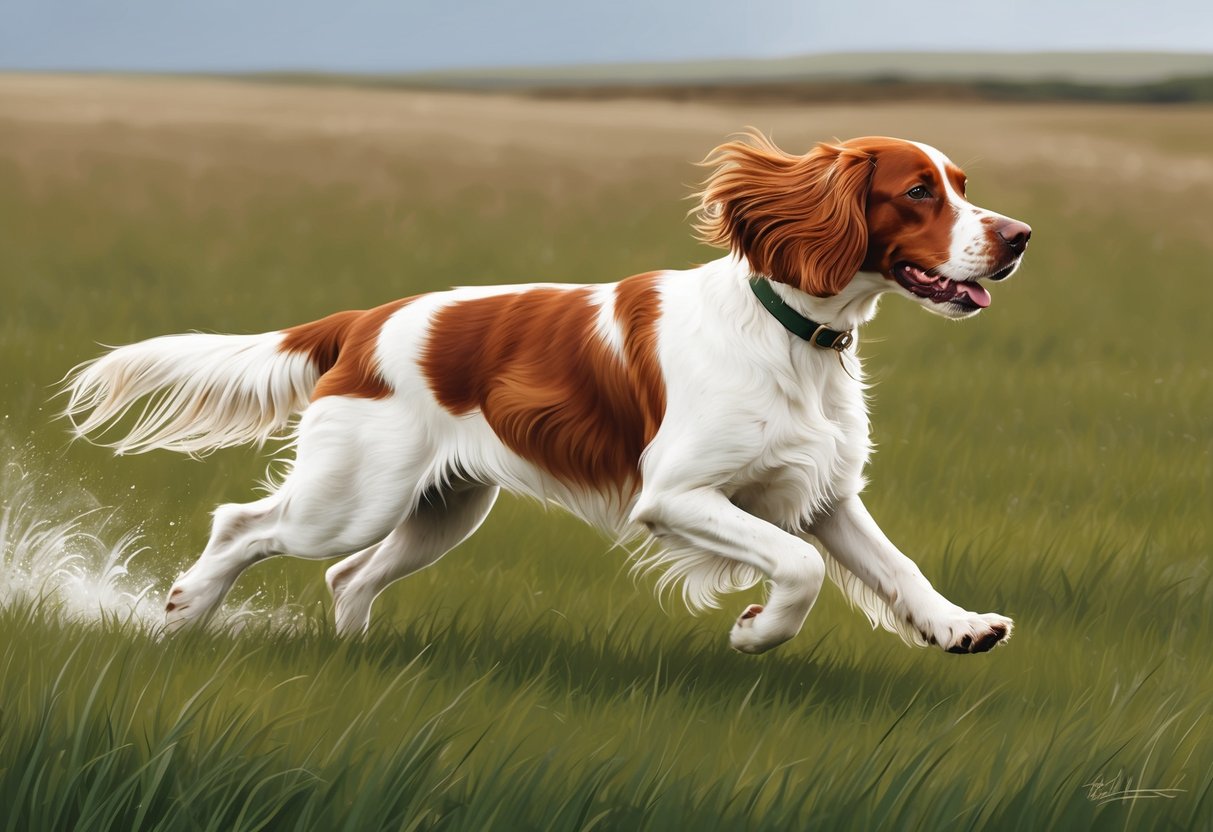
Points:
(1120, 787)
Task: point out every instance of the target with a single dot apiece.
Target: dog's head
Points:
(885, 206)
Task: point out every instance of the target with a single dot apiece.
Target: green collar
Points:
(819, 335)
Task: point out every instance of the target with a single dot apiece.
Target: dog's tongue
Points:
(975, 292)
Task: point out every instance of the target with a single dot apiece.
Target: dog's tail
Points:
(199, 391)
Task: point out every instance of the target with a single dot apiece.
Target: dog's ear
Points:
(798, 219)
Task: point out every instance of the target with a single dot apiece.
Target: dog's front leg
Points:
(853, 539)
(704, 520)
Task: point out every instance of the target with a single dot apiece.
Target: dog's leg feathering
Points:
(703, 519)
(891, 590)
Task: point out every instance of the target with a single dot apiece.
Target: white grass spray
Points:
(68, 555)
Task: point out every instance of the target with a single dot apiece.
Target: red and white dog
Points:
(716, 412)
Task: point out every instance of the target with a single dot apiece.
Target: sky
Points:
(413, 35)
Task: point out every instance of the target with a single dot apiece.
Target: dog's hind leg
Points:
(356, 472)
(441, 521)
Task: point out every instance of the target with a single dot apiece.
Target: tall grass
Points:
(1050, 460)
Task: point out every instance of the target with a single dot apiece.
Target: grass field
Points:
(1050, 460)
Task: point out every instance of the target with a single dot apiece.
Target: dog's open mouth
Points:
(939, 289)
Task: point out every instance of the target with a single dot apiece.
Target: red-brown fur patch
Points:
(900, 228)
(321, 339)
(797, 219)
(957, 177)
(637, 308)
(532, 363)
(342, 346)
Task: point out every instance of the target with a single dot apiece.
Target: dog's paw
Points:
(177, 609)
(745, 636)
(758, 629)
(188, 602)
(969, 632)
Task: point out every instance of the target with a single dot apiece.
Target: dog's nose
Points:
(1015, 234)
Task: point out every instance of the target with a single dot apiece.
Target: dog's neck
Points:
(854, 306)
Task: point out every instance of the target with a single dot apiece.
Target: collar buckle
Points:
(831, 339)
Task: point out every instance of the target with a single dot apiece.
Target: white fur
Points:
(755, 471)
(605, 325)
(969, 256)
(200, 391)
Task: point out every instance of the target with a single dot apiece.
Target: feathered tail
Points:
(199, 392)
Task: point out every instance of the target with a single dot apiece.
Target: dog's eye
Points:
(918, 192)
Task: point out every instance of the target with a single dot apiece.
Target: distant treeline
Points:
(1184, 90)
(1171, 91)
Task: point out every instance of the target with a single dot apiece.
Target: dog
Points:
(716, 415)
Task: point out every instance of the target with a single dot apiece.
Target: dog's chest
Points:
(814, 443)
